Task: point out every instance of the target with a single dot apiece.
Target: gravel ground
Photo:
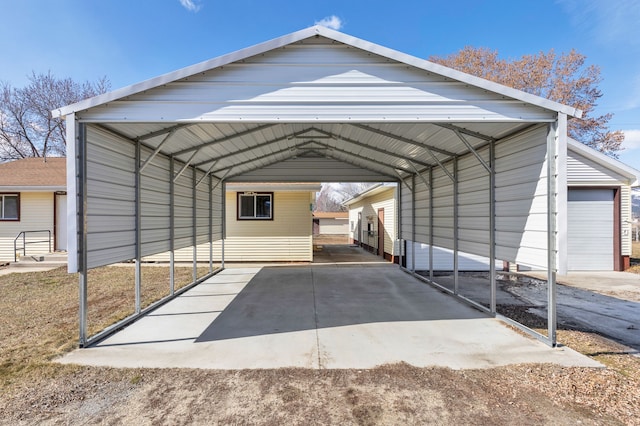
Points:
(35, 391)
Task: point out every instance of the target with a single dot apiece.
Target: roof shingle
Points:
(34, 172)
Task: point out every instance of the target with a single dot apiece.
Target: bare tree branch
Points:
(561, 78)
(26, 126)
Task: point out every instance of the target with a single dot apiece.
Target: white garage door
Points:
(590, 230)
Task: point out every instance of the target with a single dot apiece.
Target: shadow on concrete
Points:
(288, 299)
(343, 253)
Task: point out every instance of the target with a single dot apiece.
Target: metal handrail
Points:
(25, 242)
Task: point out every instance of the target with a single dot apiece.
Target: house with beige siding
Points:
(32, 207)
(373, 222)
(599, 229)
(264, 222)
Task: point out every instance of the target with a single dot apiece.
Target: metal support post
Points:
(455, 227)
(223, 214)
(430, 189)
(194, 223)
(81, 184)
(138, 278)
(492, 225)
(172, 229)
(413, 223)
(210, 224)
(552, 175)
(401, 255)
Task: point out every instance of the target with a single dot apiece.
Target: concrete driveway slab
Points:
(318, 316)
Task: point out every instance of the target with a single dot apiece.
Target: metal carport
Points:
(148, 163)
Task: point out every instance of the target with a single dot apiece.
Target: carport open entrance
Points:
(476, 164)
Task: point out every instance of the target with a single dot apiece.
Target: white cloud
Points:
(609, 22)
(332, 22)
(191, 5)
(631, 139)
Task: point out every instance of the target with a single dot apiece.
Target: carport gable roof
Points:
(315, 100)
(304, 34)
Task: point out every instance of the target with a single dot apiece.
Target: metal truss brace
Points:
(157, 150)
(472, 150)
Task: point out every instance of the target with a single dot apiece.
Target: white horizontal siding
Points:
(36, 214)
(247, 249)
(110, 198)
(625, 220)
(443, 259)
(369, 207)
(521, 198)
(583, 171)
(285, 238)
(473, 204)
(334, 226)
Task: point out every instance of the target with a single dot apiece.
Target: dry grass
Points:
(39, 321)
(39, 318)
(635, 258)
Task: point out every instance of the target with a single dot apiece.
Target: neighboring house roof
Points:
(331, 215)
(34, 174)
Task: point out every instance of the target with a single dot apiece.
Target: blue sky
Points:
(133, 40)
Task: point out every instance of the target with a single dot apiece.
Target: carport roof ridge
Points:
(316, 31)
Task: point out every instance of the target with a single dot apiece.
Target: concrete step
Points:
(46, 260)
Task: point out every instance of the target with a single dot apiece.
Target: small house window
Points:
(255, 205)
(9, 207)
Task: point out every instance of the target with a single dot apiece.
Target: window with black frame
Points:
(255, 206)
(9, 207)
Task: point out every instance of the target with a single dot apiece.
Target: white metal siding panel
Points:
(217, 210)
(155, 207)
(590, 239)
(36, 213)
(625, 220)
(583, 171)
(183, 208)
(442, 208)
(316, 82)
(405, 210)
(443, 259)
(521, 198)
(202, 209)
(110, 198)
(473, 204)
(422, 210)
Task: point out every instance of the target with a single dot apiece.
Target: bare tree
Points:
(561, 78)
(332, 195)
(26, 126)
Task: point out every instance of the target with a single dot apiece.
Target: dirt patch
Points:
(39, 321)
